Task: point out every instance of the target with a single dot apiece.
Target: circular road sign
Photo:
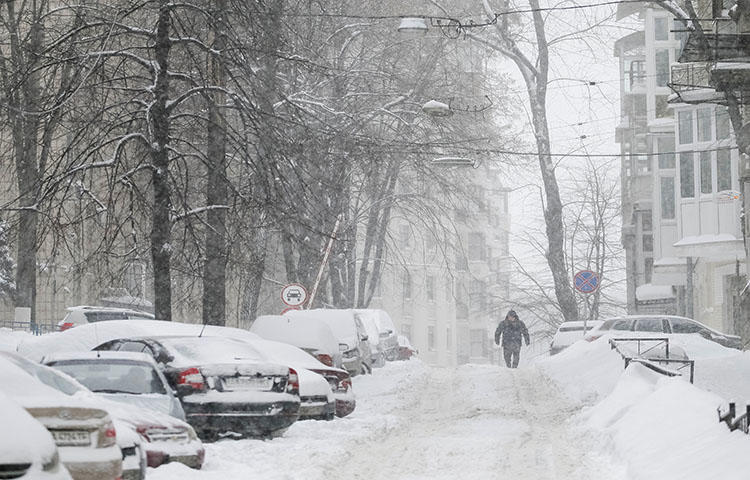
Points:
(289, 309)
(586, 281)
(294, 295)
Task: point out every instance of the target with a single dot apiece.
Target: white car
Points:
(84, 433)
(386, 338)
(84, 314)
(29, 453)
(311, 335)
(570, 332)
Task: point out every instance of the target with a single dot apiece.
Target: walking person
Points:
(513, 330)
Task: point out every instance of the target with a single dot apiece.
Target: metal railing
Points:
(646, 345)
(733, 422)
(34, 328)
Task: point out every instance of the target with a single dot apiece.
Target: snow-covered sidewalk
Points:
(418, 422)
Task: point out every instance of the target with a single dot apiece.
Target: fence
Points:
(34, 328)
(735, 423)
(645, 345)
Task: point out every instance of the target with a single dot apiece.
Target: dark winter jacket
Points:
(512, 331)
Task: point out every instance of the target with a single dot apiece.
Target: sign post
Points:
(586, 282)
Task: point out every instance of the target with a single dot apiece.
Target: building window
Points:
(406, 286)
(681, 31)
(665, 145)
(504, 243)
(636, 72)
(662, 67)
(648, 243)
(429, 284)
(476, 337)
(661, 30)
(661, 109)
(478, 294)
(448, 339)
(685, 124)
(647, 223)
(724, 169)
(687, 175)
(476, 246)
(722, 123)
(704, 124)
(648, 268)
(667, 198)
(431, 337)
(707, 180)
(406, 330)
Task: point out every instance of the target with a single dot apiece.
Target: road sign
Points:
(289, 309)
(294, 295)
(586, 281)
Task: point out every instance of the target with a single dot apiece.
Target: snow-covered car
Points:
(339, 380)
(387, 339)
(349, 332)
(83, 314)
(84, 433)
(225, 385)
(311, 335)
(160, 437)
(373, 337)
(405, 350)
(661, 324)
(27, 449)
(570, 332)
(129, 377)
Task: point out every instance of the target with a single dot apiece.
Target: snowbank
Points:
(10, 339)
(661, 427)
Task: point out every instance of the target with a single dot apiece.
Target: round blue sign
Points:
(586, 281)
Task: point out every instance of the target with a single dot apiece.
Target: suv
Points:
(84, 314)
(662, 324)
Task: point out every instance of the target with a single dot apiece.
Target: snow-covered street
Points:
(418, 422)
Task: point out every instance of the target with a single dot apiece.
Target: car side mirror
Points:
(364, 338)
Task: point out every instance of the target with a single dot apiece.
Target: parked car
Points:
(146, 437)
(656, 324)
(84, 314)
(27, 449)
(311, 335)
(387, 339)
(373, 337)
(570, 332)
(129, 377)
(84, 434)
(225, 385)
(339, 380)
(405, 350)
(349, 332)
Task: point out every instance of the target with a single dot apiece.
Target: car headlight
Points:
(52, 463)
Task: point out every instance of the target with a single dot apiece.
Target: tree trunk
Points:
(215, 267)
(161, 248)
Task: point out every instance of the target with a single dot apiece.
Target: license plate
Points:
(247, 383)
(65, 438)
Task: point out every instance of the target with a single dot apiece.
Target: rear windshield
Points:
(104, 316)
(578, 328)
(207, 350)
(114, 376)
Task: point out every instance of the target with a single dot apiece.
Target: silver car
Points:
(128, 377)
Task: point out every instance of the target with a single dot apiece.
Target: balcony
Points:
(691, 82)
(720, 41)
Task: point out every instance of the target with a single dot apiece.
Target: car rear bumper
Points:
(246, 419)
(318, 410)
(102, 464)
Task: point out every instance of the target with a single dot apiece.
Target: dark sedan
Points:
(225, 386)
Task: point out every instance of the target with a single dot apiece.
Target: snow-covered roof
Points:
(653, 292)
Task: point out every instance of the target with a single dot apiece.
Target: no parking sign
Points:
(586, 281)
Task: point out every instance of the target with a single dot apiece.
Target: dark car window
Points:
(649, 325)
(104, 316)
(132, 347)
(105, 375)
(621, 324)
(680, 325)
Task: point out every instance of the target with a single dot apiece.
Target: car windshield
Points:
(47, 376)
(114, 376)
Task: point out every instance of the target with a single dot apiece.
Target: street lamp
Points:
(437, 109)
(455, 162)
(413, 26)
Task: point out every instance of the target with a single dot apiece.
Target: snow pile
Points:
(661, 427)
(10, 339)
